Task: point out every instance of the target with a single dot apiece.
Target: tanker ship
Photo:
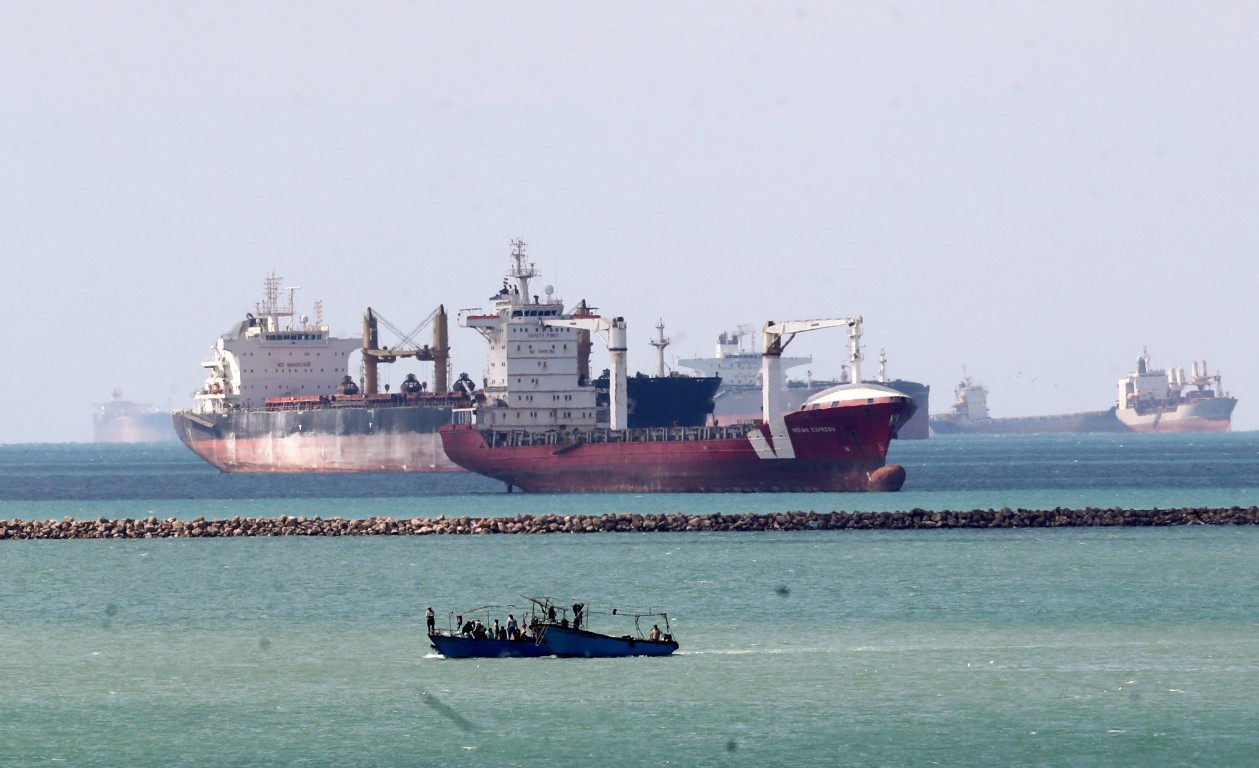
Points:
(1165, 401)
(537, 428)
(279, 397)
(739, 397)
(126, 421)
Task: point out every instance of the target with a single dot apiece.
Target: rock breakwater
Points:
(285, 525)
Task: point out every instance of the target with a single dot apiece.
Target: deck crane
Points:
(374, 354)
(776, 336)
(612, 332)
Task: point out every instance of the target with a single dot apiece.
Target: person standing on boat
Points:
(431, 618)
(655, 633)
(513, 629)
(577, 607)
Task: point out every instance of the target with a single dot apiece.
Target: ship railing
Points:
(515, 438)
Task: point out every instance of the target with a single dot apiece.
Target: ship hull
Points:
(830, 449)
(387, 439)
(1213, 415)
(1089, 421)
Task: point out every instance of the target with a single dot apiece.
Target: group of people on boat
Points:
(546, 629)
(475, 629)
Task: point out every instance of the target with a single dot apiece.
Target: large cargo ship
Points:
(538, 427)
(279, 397)
(126, 421)
(738, 363)
(1152, 400)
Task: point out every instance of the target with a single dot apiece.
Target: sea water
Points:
(1095, 647)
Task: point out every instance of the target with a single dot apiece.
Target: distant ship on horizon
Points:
(1148, 400)
(126, 421)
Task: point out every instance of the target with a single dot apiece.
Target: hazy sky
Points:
(1033, 191)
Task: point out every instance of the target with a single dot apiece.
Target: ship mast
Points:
(660, 342)
(521, 270)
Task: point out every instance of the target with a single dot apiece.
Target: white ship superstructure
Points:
(274, 353)
(738, 363)
(531, 376)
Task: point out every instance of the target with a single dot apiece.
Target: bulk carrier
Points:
(537, 428)
(279, 397)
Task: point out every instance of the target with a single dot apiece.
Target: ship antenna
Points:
(854, 349)
(882, 366)
(269, 309)
(288, 311)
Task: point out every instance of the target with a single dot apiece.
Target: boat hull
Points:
(569, 642)
(457, 647)
(400, 438)
(1211, 415)
(838, 448)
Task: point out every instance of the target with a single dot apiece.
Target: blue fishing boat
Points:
(574, 637)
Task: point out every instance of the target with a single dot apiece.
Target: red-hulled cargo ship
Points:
(537, 428)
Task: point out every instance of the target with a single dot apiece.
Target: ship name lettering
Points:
(813, 429)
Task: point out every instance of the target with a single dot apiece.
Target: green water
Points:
(1025, 647)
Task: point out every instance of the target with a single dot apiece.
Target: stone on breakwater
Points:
(151, 527)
